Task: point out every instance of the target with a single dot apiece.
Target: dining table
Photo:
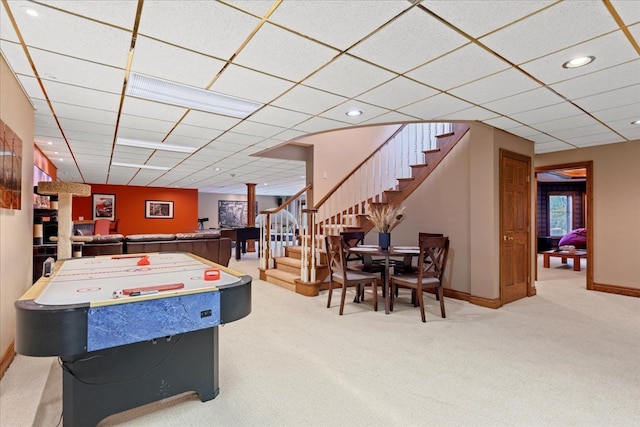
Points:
(404, 252)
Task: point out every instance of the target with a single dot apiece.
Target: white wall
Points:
(208, 205)
(16, 226)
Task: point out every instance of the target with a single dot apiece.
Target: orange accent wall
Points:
(130, 207)
(43, 162)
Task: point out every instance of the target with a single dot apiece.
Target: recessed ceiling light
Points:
(265, 183)
(61, 159)
(579, 62)
(154, 145)
(29, 11)
(637, 122)
(49, 143)
(354, 113)
(55, 152)
(216, 169)
(138, 166)
(146, 87)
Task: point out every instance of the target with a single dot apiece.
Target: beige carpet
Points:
(566, 357)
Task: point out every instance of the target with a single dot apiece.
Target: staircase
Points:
(389, 175)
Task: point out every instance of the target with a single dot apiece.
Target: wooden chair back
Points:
(434, 252)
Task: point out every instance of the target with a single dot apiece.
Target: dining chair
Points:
(339, 273)
(431, 265)
(361, 261)
(114, 227)
(101, 227)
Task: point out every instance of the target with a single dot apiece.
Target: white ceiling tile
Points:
(572, 134)
(284, 54)
(611, 99)
(435, 106)
(628, 10)
(479, 17)
(99, 43)
(308, 100)
(248, 127)
(446, 72)
(288, 135)
(397, 93)
(600, 81)
(318, 124)
(153, 58)
(339, 24)
(68, 94)
(409, 41)
(589, 140)
(564, 123)
(340, 112)
(392, 117)
(16, 58)
(523, 131)
(236, 141)
(122, 13)
(635, 31)
(497, 86)
(473, 113)
(503, 123)
(626, 113)
(609, 50)
(630, 133)
(156, 110)
(6, 28)
(248, 84)
(89, 127)
(84, 113)
(140, 134)
(278, 117)
(557, 27)
(208, 27)
(348, 76)
(31, 86)
(196, 132)
(538, 115)
(532, 99)
(209, 120)
(145, 123)
(553, 146)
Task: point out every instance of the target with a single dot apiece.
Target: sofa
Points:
(208, 245)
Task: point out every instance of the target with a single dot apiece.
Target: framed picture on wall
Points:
(104, 206)
(158, 209)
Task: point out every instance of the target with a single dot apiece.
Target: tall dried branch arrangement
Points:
(385, 217)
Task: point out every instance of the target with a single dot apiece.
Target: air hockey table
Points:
(130, 329)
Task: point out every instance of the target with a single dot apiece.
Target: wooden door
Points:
(515, 218)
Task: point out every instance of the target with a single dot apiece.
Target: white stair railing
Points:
(377, 174)
(280, 227)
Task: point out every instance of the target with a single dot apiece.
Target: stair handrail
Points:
(378, 173)
(356, 168)
(284, 236)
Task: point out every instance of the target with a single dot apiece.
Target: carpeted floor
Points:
(566, 357)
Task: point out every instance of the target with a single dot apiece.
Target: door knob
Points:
(507, 238)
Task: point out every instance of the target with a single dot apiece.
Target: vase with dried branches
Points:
(385, 217)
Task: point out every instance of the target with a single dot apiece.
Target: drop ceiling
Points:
(307, 63)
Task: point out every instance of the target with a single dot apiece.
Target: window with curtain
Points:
(560, 214)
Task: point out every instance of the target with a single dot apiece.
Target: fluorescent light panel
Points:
(154, 145)
(137, 166)
(168, 92)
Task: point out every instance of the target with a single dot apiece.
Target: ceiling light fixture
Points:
(579, 62)
(353, 113)
(29, 11)
(146, 87)
(637, 122)
(137, 166)
(154, 145)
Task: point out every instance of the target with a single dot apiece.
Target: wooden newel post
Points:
(251, 213)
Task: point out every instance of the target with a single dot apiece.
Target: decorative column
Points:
(65, 191)
(251, 213)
